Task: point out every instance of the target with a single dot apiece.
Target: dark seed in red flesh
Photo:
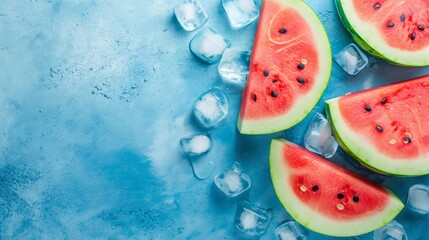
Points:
(379, 128)
(355, 198)
(266, 73)
(384, 101)
(274, 94)
(275, 80)
(421, 28)
(315, 188)
(368, 108)
(301, 66)
(413, 36)
(407, 140)
(403, 18)
(340, 196)
(283, 31)
(254, 97)
(391, 24)
(377, 6)
(301, 80)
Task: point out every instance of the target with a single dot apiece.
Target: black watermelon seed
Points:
(421, 28)
(407, 140)
(274, 94)
(368, 108)
(266, 73)
(379, 128)
(315, 188)
(301, 80)
(413, 36)
(275, 80)
(355, 198)
(384, 101)
(402, 17)
(340, 196)
(254, 97)
(377, 6)
(301, 66)
(283, 31)
(391, 24)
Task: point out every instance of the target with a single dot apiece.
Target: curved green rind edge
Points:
(364, 45)
(366, 154)
(270, 125)
(318, 222)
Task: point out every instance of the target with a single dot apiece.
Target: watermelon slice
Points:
(325, 197)
(397, 31)
(385, 128)
(289, 68)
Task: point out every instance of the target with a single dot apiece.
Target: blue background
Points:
(94, 97)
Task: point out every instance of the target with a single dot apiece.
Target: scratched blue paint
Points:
(94, 96)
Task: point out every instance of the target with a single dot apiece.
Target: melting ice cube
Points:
(290, 231)
(190, 14)
(251, 219)
(351, 59)
(418, 198)
(392, 231)
(240, 12)
(233, 181)
(234, 65)
(196, 145)
(211, 108)
(318, 137)
(208, 45)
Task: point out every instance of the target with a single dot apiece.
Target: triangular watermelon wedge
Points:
(289, 68)
(325, 197)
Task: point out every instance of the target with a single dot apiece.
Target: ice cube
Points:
(233, 181)
(318, 137)
(290, 231)
(240, 12)
(252, 220)
(208, 45)
(351, 59)
(191, 14)
(392, 231)
(196, 145)
(418, 198)
(234, 66)
(202, 166)
(211, 108)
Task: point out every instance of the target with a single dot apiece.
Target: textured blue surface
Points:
(94, 96)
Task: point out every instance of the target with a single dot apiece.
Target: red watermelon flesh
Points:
(325, 197)
(286, 68)
(387, 127)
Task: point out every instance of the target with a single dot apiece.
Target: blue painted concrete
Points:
(94, 96)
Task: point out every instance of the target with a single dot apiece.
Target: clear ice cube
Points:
(211, 108)
(240, 12)
(191, 14)
(196, 145)
(252, 220)
(418, 198)
(233, 181)
(290, 231)
(234, 66)
(318, 137)
(351, 59)
(202, 166)
(392, 231)
(208, 45)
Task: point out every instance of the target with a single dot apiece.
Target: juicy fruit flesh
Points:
(273, 80)
(403, 24)
(398, 110)
(358, 197)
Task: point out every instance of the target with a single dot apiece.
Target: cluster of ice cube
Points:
(318, 137)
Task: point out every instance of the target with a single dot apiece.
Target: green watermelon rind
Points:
(367, 154)
(317, 222)
(370, 44)
(303, 105)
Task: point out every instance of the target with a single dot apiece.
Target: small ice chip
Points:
(190, 14)
(290, 231)
(392, 231)
(211, 108)
(233, 181)
(240, 12)
(252, 220)
(208, 45)
(318, 137)
(351, 59)
(418, 198)
(196, 145)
